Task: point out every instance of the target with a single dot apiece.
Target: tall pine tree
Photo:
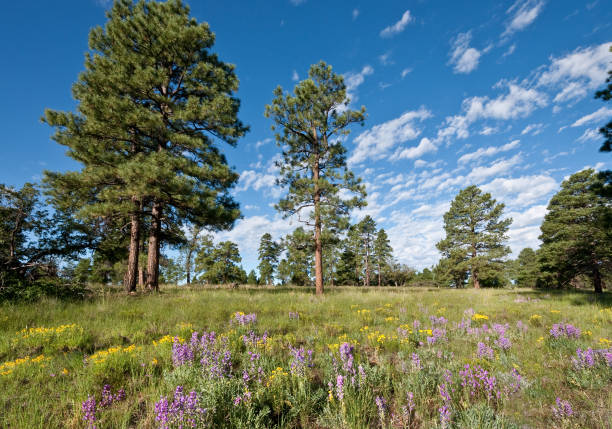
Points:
(475, 234)
(152, 103)
(576, 237)
(313, 166)
(382, 254)
(269, 252)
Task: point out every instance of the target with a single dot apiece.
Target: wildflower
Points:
(564, 330)
(416, 362)
(381, 404)
(478, 317)
(294, 315)
(445, 415)
(301, 359)
(563, 409)
(484, 351)
(244, 319)
(184, 410)
(340, 387)
(503, 343)
(89, 412)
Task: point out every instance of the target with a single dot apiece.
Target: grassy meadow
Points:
(359, 358)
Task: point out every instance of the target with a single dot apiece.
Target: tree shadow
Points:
(576, 297)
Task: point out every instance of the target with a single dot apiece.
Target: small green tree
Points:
(475, 234)
(82, 271)
(219, 264)
(269, 252)
(526, 268)
(313, 165)
(252, 278)
(366, 229)
(296, 267)
(576, 238)
(382, 254)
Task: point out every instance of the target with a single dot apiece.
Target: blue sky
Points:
(497, 94)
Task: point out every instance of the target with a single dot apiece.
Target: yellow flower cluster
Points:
(184, 326)
(555, 311)
(605, 342)
(364, 312)
(102, 355)
(7, 367)
(441, 310)
(476, 317)
(42, 332)
(391, 319)
(535, 320)
(276, 373)
(163, 340)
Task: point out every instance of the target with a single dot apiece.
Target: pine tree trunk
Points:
(367, 262)
(153, 255)
(476, 280)
(317, 237)
(597, 280)
(188, 266)
(129, 280)
(379, 277)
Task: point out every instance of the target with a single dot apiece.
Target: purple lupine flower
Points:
(182, 354)
(443, 389)
(300, 360)
(183, 411)
(563, 409)
(237, 400)
(500, 329)
(484, 351)
(522, 327)
(514, 387)
(89, 412)
(416, 362)
(584, 359)
(566, 330)
(503, 343)
(416, 325)
(381, 404)
(362, 375)
(410, 402)
(437, 334)
(294, 315)
(445, 415)
(340, 387)
(346, 356)
(437, 320)
(244, 319)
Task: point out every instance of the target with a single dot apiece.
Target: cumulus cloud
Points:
(521, 191)
(518, 102)
(463, 57)
(522, 14)
(489, 151)
(379, 141)
(424, 146)
(577, 73)
(398, 27)
(601, 115)
(354, 80)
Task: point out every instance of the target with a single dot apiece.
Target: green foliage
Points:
(525, 268)
(382, 256)
(252, 278)
(152, 102)
(269, 252)
(576, 238)
(606, 131)
(313, 168)
(475, 238)
(296, 267)
(219, 264)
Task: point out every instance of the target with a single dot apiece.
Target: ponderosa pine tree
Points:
(475, 233)
(296, 267)
(366, 229)
(220, 264)
(252, 278)
(606, 131)
(269, 252)
(526, 268)
(576, 238)
(152, 102)
(313, 165)
(190, 247)
(382, 253)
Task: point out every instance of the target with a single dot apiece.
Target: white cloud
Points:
(591, 134)
(498, 167)
(424, 146)
(518, 102)
(601, 115)
(533, 129)
(385, 59)
(377, 142)
(398, 27)
(577, 73)
(354, 80)
(297, 2)
(487, 131)
(263, 142)
(521, 191)
(489, 151)
(295, 76)
(523, 13)
(509, 51)
(462, 56)
(355, 14)
(406, 71)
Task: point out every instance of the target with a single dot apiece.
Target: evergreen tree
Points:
(82, 271)
(252, 278)
(269, 252)
(475, 235)
(219, 264)
(345, 272)
(296, 267)
(366, 230)
(152, 102)
(576, 238)
(606, 131)
(525, 269)
(190, 247)
(382, 254)
(314, 160)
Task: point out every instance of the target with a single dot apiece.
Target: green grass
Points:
(49, 391)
